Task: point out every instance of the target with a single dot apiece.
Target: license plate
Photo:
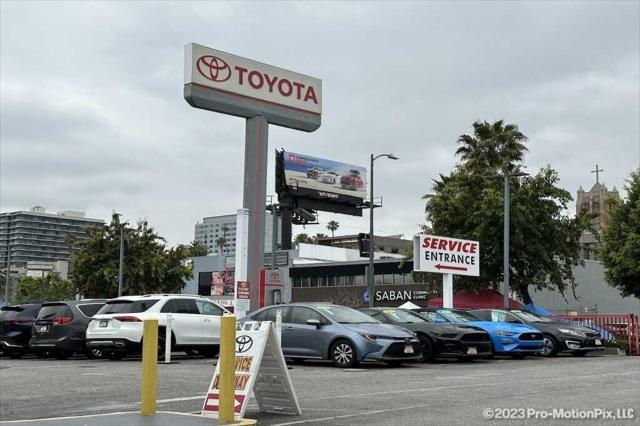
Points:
(103, 323)
(43, 328)
(598, 342)
(472, 351)
(408, 349)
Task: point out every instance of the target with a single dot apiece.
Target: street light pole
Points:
(8, 277)
(121, 260)
(505, 243)
(371, 274)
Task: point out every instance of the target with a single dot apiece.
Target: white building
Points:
(210, 230)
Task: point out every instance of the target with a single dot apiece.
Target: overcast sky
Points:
(93, 117)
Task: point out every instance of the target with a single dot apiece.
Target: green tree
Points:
(468, 203)
(149, 266)
(303, 239)
(493, 147)
(620, 241)
(333, 226)
(220, 242)
(197, 248)
(44, 289)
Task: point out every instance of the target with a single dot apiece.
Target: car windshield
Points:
(458, 316)
(345, 315)
(529, 317)
(402, 316)
(121, 306)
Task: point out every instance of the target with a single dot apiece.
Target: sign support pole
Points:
(254, 200)
(242, 239)
(447, 291)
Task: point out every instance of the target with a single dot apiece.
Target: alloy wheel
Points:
(343, 354)
(548, 346)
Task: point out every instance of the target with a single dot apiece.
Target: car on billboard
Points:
(353, 181)
(558, 337)
(439, 340)
(314, 172)
(515, 340)
(330, 177)
(343, 335)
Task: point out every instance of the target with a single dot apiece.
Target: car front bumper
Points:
(451, 348)
(573, 344)
(392, 350)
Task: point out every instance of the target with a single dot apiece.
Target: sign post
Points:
(447, 256)
(262, 94)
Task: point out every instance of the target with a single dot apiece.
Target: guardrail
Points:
(621, 327)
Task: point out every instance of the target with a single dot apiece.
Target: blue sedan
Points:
(517, 340)
(340, 334)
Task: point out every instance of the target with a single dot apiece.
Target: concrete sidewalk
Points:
(161, 418)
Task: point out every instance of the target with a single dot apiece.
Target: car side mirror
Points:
(314, 322)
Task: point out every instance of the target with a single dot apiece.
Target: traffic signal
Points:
(363, 244)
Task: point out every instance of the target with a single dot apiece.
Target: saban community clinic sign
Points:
(446, 255)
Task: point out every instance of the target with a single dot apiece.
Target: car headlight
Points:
(370, 337)
(505, 333)
(572, 332)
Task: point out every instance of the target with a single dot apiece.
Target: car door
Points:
(302, 339)
(210, 315)
(186, 322)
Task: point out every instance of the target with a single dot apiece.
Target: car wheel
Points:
(427, 348)
(343, 354)
(161, 348)
(93, 353)
(550, 348)
(579, 353)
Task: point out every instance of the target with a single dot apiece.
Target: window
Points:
(120, 306)
(359, 280)
(271, 313)
(300, 315)
(208, 308)
(181, 306)
(90, 309)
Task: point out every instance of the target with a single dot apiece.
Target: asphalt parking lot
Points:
(438, 394)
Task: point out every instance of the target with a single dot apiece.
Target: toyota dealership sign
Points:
(446, 255)
(222, 82)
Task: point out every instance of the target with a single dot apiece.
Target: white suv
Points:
(117, 327)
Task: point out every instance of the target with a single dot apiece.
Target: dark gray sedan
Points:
(340, 334)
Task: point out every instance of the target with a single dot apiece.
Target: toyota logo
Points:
(243, 343)
(213, 68)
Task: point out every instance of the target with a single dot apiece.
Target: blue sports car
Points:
(517, 339)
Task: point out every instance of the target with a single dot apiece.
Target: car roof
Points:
(74, 302)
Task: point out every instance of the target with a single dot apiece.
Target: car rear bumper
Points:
(64, 343)
(114, 345)
(7, 343)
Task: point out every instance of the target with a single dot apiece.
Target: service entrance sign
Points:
(447, 255)
(261, 368)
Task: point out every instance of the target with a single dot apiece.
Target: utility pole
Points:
(121, 260)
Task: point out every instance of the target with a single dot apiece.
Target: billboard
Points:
(322, 179)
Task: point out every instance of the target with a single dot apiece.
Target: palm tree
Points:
(333, 226)
(492, 147)
(197, 248)
(220, 242)
(303, 238)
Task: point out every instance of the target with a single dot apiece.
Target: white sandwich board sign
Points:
(261, 368)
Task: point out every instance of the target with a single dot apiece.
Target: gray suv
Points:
(338, 333)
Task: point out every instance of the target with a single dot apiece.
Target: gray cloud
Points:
(93, 118)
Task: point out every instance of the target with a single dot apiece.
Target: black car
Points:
(15, 328)
(60, 328)
(438, 340)
(558, 337)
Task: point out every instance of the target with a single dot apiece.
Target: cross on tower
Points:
(596, 171)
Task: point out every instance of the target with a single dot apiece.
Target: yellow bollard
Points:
(227, 360)
(149, 385)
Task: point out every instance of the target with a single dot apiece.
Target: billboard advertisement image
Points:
(324, 179)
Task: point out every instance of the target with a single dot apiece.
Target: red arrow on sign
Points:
(454, 268)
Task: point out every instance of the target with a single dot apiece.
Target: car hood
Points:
(379, 329)
(493, 327)
(442, 328)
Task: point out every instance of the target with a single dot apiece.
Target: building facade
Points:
(393, 244)
(37, 236)
(210, 231)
